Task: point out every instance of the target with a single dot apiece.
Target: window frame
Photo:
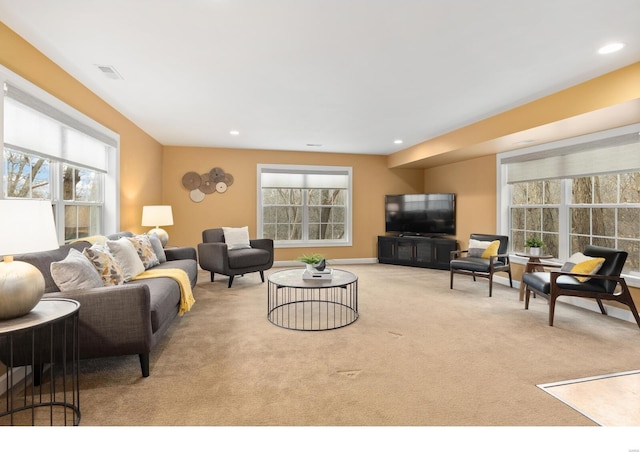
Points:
(503, 190)
(110, 215)
(308, 169)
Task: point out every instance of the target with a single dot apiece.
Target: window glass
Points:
(303, 205)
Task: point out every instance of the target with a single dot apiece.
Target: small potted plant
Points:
(535, 245)
(314, 262)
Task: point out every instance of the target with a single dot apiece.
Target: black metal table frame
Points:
(50, 347)
(312, 305)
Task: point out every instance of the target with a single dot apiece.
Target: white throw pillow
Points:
(237, 238)
(75, 272)
(125, 253)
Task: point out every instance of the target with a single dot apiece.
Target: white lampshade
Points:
(158, 216)
(26, 226)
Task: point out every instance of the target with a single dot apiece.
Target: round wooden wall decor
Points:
(200, 185)
(191, 180)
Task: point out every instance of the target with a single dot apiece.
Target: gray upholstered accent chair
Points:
(215, 257)
(464, 262)
(606, 284)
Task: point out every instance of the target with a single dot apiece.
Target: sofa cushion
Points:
(245, 258)
(164, 294)
(75, 272)
(107, 266)
(127, 256)
(145, 251)
(237, 238)
(190, 266)
(42, 261)
(157, 247)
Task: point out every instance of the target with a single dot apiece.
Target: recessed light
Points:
(397, 142)
(610, 48)
(234, 132)
(520, 143)
(313, 145)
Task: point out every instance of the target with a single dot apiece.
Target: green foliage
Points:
(534, 242)
(311, 259)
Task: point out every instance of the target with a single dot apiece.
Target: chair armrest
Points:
(457, 253)
(555, 275)
(213, 256)
(180, 252)
(263, 244)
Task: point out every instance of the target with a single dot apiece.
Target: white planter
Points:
(534, 251)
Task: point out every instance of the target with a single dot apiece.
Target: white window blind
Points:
(304, 178)
(30, 124)
(609, 155)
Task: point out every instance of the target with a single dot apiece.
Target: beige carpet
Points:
(419, 355)
(423, 364)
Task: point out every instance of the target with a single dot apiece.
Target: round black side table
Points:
(41, 353)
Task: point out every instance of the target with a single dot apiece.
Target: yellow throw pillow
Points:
(491, 250)
(579, 263)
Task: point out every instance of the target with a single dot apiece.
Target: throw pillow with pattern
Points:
(143, 246)
(109, 269)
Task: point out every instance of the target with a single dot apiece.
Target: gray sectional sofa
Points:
(125, 319)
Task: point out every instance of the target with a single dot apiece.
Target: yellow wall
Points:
(237, 206)
(474, 183)
(140, 155)
(610, 89)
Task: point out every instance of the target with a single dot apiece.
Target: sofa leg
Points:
(230, 281)
(262, 275)
(144, 364)
(212, 276)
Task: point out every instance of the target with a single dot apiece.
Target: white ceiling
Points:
(349, 75)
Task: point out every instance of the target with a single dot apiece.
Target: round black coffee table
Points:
(312, 304)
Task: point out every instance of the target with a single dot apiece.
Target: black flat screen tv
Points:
(423, 214)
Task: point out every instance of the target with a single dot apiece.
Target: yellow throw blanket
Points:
(181, 277)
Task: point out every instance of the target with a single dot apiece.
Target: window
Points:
(574, 193)
(304, 205)
(51, 151)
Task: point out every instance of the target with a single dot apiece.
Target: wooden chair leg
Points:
(526, 297)
(552, 307)
(601, 306)
(451, 280)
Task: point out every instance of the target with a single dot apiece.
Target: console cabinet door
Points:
(416, 251)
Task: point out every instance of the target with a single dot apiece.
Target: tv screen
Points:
(421, 214)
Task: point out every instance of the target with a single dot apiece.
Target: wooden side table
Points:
(46, 341)
(535, 264)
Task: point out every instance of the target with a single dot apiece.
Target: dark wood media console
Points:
(415, 251)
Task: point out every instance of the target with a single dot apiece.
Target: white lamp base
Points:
(21, 288)
(162, 235)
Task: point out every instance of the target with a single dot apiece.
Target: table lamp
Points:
(26, 226)
(158, 216)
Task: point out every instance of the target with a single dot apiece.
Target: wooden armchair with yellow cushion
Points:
(486, 255)
(592, 274)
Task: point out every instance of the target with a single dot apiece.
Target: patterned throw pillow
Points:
(579, 263)
(127, 256)
(75, 272)
(143, 246)
(109, 269)
(485, 250)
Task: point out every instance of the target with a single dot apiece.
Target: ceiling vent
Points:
(109, 72)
